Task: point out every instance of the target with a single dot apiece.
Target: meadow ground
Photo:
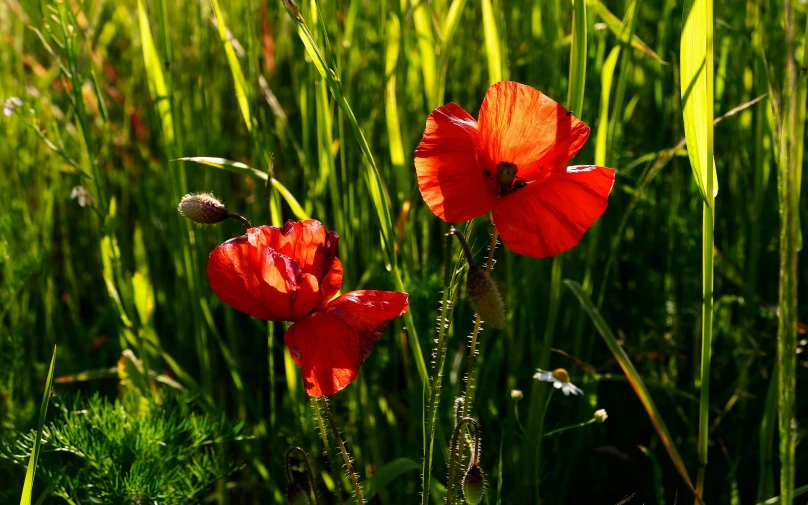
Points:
(162, 393)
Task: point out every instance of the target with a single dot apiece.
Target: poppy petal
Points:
(550, 216)
(233, 278)
(330, 284)
(307, 242)
(449, 177)
(521, 125)
(260, 281)
(330, 345)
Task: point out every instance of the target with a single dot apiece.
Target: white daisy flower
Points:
(11, 103)
(560, 379)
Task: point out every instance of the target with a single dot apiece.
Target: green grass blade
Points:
(390, 102)
(614, 24)
(235, 67)
(426, 50)
(634, 379)
(28, 485)
(242, 169)
(154, 76)
(575, 94)
(777, 500)
(696, 63)
(607, 75)
(492, 49)
(387, 474)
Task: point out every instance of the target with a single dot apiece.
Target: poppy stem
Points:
(345, 456)
(467, 397)
(454, 454)
(466, 250)
(240, 218)
(309, 473)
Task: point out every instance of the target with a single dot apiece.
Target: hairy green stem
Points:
(345, 457)
(455, 455)
(309, 473)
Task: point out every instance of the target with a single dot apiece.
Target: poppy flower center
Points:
(505, 180)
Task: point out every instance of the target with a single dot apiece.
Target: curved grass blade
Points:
(242, 169)
(28, 485)
(634, 379)
(615, 26)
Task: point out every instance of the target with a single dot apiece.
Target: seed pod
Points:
(485, 297)
(474, 484)
(296, 495)
(203, 208)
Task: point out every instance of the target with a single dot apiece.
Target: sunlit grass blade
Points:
(28, 485)
(634, 378)
(615, 26)
(607, 75)
(696, 61)
(390, 100)
(154, 76)
(698, 111)
(493, 52)
(242, 169)
(421, 17)
(575, 93)
(235, 67)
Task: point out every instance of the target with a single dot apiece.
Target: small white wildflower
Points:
(80, 194)
(517, 394)
(601, 415)
(560, 379)
(11, 103)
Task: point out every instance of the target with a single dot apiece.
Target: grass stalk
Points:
(345, 457)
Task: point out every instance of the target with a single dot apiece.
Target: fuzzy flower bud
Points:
(517, 394)
(297, 496)
(474, 485)
(601, 415)
(485, 297)
(203, 208)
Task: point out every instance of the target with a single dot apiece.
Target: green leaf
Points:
(696, 63)
(154, 75)
(235, 66)
(28, 485)
(387, 474)
(615, 26)
(634, 379)
(776, 500)
(242, 169)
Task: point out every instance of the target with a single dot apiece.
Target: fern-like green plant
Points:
(98, 451)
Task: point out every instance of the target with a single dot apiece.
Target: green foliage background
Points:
(127, 272)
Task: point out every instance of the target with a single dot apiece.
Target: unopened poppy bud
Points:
(474, 485)
(203, 208)
(601, 415)
(485, 297)
(296, 495)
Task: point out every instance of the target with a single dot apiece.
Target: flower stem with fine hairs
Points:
(345, 456)
(440, 361)
(307, 464)
(472, 352)
(467, 397)
(455, 455)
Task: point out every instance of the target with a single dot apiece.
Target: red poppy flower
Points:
(332, 343)
(292, 274)
(512, 161)
(277, 274)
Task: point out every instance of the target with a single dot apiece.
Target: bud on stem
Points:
(204, 208)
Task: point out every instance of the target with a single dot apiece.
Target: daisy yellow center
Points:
(561, 375)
